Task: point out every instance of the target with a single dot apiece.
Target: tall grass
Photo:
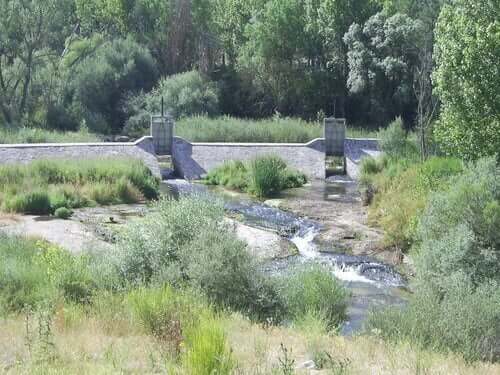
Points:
(272, 130)
(264, 176)
(44, 186)
(313, 291)
(35, 135)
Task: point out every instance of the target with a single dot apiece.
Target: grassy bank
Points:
(42, 187)
(168, 287)
(70, 314)
(35, 135)
(273, 130)
(446, 214)
(262, 177)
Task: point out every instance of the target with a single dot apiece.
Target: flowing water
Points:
(371, 283)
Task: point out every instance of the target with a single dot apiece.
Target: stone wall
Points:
(192, 160)
(142, 149)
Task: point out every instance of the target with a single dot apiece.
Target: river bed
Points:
(371, 283)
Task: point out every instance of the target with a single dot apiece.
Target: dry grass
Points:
(85, 344)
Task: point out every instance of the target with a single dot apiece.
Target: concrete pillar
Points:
(162, 131)
(335, 136)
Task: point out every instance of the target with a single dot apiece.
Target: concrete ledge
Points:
(193, 160)
(142, 149)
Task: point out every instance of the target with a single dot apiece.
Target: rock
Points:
(263, 244)
(310, 365)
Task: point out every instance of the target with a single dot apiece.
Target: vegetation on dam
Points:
(263, 177)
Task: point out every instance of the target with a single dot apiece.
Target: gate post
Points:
(335, 129)
(162, 131)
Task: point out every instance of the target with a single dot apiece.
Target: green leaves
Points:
(467, 78)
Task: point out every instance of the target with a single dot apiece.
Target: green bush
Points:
(35, 135)
(35, 203)
(185, 241)
(401, 191)
(63, 213)
(456, 300)
(313, 289)
(463, 320)
(219, 264)
(266, 176)
(165, 313)
(263, 177)
(102, 80)
(394, 141)
(44, 186)
(183, 94)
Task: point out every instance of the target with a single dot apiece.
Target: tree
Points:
(382, 57)
(28, 30)
(103, 80)
(467, 77)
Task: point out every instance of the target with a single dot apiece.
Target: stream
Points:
(371, 283)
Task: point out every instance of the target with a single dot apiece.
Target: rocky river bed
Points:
(323, 222)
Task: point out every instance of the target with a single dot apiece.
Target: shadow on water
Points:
(371, 283)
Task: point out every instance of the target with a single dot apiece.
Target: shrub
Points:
(63, 213)
(74, 184)
(183, 94)
(313, 289)
(185, 241)
(266, 176)
(394, 142)
(35, 203)
(35, 135)
(23, 283)
(456, 301)
(464, 320)
(219, 264)
(263, 177)
(149, 248)
(101, 81)
(165, 313)
(401, 194)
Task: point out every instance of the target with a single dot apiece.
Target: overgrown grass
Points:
(44, 186)
(36, 135)
(456, 247)
(273, 130)
(263, 177)
(313, 291)
(400, 193)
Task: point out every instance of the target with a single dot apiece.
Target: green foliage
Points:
(34, 202)
(314, 290)
(228, 129)
(401, 193)
(101, 82)
(33, 273)
(63, 213)
(467, 52)
(263, 177)
(208, 352)
(382, 57)
(394, 141)
(456, 301)
(27, 135)
(266, 176)
(184, 94)
(44, 186)
(186, 241)
(463, 320)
